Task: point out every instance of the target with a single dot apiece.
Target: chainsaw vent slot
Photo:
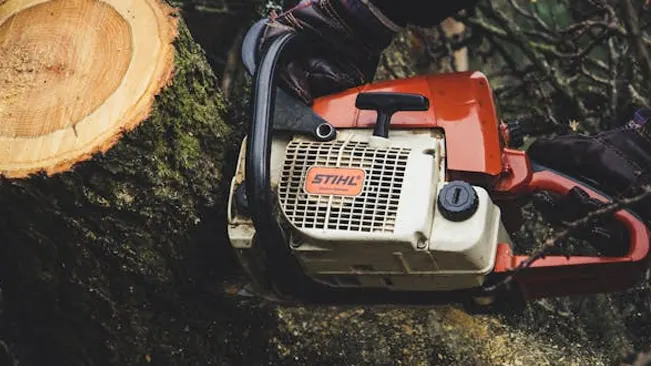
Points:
(374, 210)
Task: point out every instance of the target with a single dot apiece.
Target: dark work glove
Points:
(616, 162)
(346, 40)
(607, 235)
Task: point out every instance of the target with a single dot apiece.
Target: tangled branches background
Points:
(558, 66)
(584, 61)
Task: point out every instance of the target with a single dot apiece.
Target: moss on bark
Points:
(118, 261)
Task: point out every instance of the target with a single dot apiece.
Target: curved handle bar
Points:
(547, 179)
(565, 276)
(258, 151)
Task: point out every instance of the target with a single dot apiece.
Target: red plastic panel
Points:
(460, 103)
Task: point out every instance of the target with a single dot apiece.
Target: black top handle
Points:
(386, 104)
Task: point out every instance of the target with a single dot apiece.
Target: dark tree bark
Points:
(119, 261)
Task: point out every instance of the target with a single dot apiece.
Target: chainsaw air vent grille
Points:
(374, 210)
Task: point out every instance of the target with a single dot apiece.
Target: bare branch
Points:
(515, 35)
(571, 228)
(577, 67)
(632, 20)
(638, 97)
(531, 16)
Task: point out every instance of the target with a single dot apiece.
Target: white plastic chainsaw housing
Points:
(365, 214)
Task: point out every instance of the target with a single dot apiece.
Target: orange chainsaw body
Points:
(462, 105)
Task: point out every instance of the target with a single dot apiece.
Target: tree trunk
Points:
(116, 259)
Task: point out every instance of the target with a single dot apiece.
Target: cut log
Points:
(116, 259)
(76, 74)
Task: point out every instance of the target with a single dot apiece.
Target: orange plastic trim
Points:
(322, 180)
(562, 276)
(517, 172)
(461, 104)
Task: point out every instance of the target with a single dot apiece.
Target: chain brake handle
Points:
(559, 275)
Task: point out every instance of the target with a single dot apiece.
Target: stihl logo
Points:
(349, 180)
(334, 181)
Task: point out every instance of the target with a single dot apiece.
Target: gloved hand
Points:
(616, 162)
(349, 36)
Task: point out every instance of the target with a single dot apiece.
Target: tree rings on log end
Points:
(75, 75)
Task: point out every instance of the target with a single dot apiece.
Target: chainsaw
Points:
(392, 193)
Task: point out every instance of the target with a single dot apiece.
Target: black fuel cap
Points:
(458, 201)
